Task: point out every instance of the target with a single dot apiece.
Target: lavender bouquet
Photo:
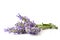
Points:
(29, 27)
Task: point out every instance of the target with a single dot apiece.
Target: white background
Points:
(46, 11)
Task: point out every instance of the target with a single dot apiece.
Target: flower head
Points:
(26, 27)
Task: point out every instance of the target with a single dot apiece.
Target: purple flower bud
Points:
(34, 30)
(26, 19)
(27, 29)
(19, 16)
(31, 24)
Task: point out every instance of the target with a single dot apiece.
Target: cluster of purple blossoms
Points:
(24, 27)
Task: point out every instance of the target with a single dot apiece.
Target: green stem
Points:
(47, 26)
